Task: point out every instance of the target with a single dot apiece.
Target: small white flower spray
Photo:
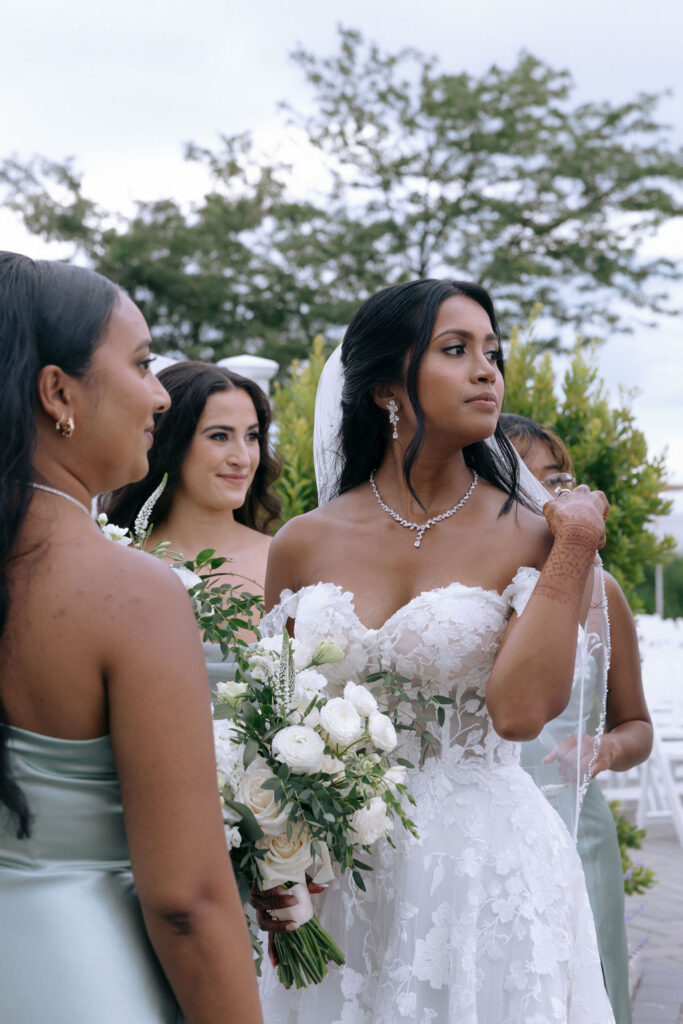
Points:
(141, 525)
(286, 677)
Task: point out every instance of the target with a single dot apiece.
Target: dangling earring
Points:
(392, 409)
(65, 426)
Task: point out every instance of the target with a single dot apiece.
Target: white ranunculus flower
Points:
(382, 732)
(231, 691)
(299, 747)
(328, 652)
(286, 860)
(361, 698)
(260, 801)
(371, 822)
(341, 721)
(233, 836)
(395, 776)
(188, 578)
(308, 684)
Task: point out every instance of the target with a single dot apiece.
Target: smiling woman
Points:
(214, 445)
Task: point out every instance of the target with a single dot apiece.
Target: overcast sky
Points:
(121, 87)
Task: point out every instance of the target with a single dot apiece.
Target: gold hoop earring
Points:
(65, 426)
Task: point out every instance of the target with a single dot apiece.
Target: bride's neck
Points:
(438, 480)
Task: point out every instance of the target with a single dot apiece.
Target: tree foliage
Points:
(498, 178)
(608, 450)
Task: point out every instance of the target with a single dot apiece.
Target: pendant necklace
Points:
(61, 494)
(421, 527)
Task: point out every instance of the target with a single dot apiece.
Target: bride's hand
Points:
(276, 899)
(578, 515)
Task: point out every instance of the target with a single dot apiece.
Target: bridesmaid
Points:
(214, 445)
(117, 894)
(627, 740)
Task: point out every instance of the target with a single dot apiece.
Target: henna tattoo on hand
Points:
(564, 574)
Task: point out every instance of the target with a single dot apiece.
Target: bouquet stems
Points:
(304, 954)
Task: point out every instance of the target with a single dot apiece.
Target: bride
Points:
(431, 561)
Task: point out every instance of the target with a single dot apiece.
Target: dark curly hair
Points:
(394, 325)
(190, 383)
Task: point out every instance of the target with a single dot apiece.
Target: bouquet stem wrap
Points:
(304, 953)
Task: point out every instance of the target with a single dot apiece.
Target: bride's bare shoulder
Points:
(300, 547)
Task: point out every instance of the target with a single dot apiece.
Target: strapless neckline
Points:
(490, 593)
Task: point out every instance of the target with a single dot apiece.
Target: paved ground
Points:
(656, 928)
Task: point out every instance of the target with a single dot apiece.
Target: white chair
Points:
(656, 786)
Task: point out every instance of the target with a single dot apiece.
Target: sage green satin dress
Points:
(598, 848)
(73, 946)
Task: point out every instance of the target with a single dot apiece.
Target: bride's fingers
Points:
(272, 899)
(271, 924)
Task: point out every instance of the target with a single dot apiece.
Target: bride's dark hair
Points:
(189, 385)
(50, 313)
(385, 343)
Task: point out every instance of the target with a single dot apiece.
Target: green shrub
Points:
(636, 877)
(609, 453)
(294, 407)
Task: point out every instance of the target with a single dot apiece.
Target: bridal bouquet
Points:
(306, 782)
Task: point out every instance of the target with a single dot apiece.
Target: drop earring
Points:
(392, 409)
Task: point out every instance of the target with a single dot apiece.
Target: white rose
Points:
(299, 747)
(371, 822)
(382, 732)
(188, 578)
(233, 836)
(341, 721)
(361, 698)
(307, 685)
(231, 691)
(286, 860)
(395, 776)
(261, 802)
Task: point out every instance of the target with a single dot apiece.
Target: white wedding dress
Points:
(485, 918)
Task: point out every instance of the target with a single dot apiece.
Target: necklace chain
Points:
(422, 527)
(61, 494)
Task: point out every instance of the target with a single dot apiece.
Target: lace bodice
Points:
(445, 640)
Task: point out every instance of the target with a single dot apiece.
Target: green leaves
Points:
(500, 178)
(607, 449)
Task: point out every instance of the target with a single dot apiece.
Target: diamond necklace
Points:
(421, 527)
(61, 494)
